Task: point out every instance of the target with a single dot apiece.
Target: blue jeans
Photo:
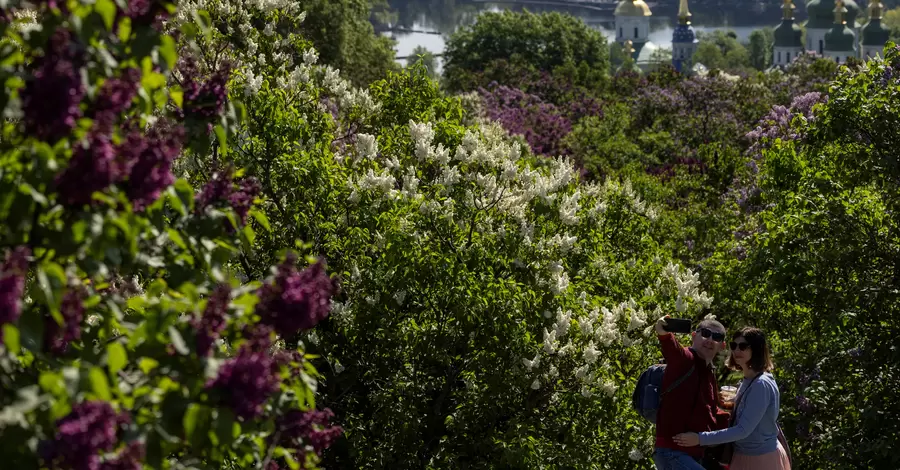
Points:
(668, 459)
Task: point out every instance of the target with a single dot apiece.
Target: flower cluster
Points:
(247, 381)
(211, 324)
(149, 160)
(204, 101)
(93, 167)
(220, 189)
(57, 337)
(541, 123)
(12, 285)
(51, 100)
(778, 123)
(90, 428)
(142, 163)
(295, 301)
(308, 428)
(114, 98)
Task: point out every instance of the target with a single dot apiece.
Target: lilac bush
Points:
(295, 300)
(128, 338)
(52, 95)
(12, 285)
(542, 124)
(90, 428)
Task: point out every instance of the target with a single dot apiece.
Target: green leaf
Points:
(116, 357)
(185, 193)
(52, 383)
(178, 341)
(124, 29)
(99, 384)
(11, 338)
(107, 10)
(177, 238)
(261, 218)
(177, 96)
(223, 139)
(168, 51)
(196, 422)
(147, 364)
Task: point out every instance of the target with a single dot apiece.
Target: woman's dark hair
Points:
(761, 359)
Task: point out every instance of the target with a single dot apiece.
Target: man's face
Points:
(708, 341)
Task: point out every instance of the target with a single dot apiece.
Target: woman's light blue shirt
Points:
(755, 432)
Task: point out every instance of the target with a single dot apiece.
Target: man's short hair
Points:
(712, 324)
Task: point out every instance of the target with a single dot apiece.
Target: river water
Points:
(432, 21)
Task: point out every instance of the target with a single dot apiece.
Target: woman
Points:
(754, 429)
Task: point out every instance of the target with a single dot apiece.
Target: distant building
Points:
(633, 24)
(788, 37)
(684, 41)
(873, 35)
(830, 31)
(840, 40)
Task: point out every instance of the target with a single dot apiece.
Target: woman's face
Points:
(740, 350)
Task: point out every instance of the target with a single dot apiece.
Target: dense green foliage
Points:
(340, 30)
(127, 339)
(821, 272)
(494, 297)
(541, 42)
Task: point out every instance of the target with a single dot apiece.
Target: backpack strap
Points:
(679, 381)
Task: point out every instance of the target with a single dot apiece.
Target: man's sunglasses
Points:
(741, 346)
(707, 333)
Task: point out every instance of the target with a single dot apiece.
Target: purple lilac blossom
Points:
(146, 12)
(90, 428)
(291, 359)
(542, 124)
(51, 99)
(259, 338)
(57, 337)
(114, 98)
(777, 124)
(93, 167)
(217, 189)
(205, 101)
(295, 301)
(247, 381)
(242, 200)
(12, 285)
(211, 324)
(149, 159)
(309, 428)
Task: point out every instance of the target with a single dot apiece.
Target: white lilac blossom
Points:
(366, 146)
(591, 353)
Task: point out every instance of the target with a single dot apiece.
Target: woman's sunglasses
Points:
(741, 346)
(707, 333)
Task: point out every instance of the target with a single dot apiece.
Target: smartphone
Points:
(678, 325)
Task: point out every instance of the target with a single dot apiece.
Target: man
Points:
(692, 406)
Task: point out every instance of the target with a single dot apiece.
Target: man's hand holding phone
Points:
(661, 326)
(667, 325)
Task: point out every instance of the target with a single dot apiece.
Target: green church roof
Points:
(874, 33)
(821, 13)
(840, 39)
(788, 34)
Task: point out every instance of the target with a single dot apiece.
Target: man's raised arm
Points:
(671, 349)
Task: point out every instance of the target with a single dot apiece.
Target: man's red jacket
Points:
(693, 405)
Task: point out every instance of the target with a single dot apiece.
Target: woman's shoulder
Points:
(769, 381)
